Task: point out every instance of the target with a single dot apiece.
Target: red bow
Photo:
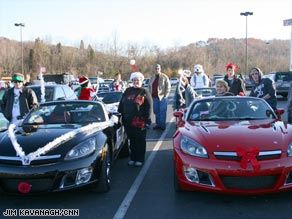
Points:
(24, 187)
(248, 156)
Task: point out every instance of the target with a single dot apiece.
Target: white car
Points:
(145, 82)
(173, 81)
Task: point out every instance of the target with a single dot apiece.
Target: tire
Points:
(103, 184)
(125, 150)
(176, 184)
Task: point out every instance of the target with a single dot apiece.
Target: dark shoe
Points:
(131, 163)
(157, 127)
(162, 127)
(138, 164)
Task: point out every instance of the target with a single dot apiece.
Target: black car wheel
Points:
(103, 184)
(125, 150)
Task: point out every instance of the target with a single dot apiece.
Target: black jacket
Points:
(237, 85)
(27, 101)
(135, 102)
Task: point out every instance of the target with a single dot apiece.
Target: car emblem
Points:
(26, 161)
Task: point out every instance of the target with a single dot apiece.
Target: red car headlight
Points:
(191, 147)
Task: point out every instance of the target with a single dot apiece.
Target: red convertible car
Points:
(234, 145)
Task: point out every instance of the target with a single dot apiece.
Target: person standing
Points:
(184, 94)
(199, 78)
(18, 100)
(159, 88)
(135, 107)
(118, 84)
(236, 85)
(85, 91)
(264, 87)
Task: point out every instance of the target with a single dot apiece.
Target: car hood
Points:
(30, 142)
(228, 135)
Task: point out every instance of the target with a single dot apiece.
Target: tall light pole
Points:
(269, 53)
(247, 13)
(21, 25)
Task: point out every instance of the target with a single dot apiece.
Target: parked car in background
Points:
(108, 80)
(104, 87)
(95, 82)
(216, 77)
(173, 81)
(145, 82)
(63, 78)
(282, 81)
(248, 83)
(205, 91)
(111, 99)
(54, 92)
(3, 84)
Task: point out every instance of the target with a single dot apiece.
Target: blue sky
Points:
(165, 23)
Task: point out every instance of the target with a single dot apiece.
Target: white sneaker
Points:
(131, 162)
(138, 164)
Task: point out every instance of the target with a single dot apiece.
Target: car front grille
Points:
(251, 182)
(16, 161)
(225, 155)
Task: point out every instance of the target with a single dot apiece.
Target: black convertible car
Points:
(59, 146)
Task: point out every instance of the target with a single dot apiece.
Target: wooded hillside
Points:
(114, 57)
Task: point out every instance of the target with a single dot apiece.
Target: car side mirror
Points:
(279, 112)
(30, 128)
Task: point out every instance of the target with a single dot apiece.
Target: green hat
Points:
(17, 77)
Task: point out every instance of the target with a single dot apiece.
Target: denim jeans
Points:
(159, 109)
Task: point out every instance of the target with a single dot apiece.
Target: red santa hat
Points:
(83, 80)
(133, 66)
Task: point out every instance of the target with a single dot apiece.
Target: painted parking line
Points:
(121, 212)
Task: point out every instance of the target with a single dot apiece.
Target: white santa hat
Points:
(136, 75)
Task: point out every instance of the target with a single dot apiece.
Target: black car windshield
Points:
(230, 108)
(76, 112)
(110, 97)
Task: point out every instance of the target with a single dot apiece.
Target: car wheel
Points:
(103, 184)
(125, 150)
(176, 184)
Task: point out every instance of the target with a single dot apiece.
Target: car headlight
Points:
(193, 148)
(289, 150)
(82, 150)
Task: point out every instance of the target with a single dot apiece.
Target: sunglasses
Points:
(17, 81)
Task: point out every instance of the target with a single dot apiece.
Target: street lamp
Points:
(246, 14)
(21, 25)
(269, 53)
